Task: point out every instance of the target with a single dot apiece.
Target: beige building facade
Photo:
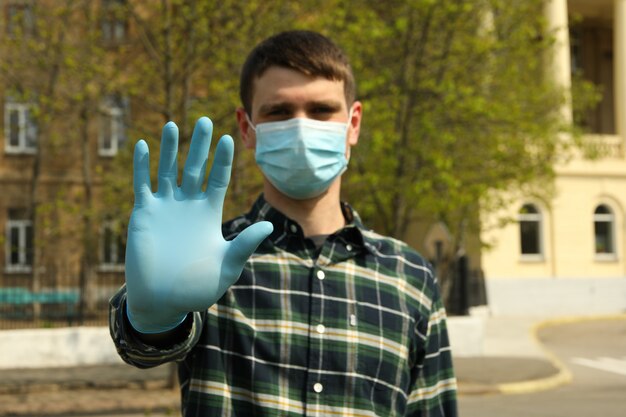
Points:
(61, 255)
(567, 255)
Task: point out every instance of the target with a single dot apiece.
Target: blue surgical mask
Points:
(301, 157)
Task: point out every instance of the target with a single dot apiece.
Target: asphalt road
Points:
(595, 353)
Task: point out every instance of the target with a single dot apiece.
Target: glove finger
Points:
(220, 174)
(195, 165)
(141, 172)
(241, 248)
(168, 167)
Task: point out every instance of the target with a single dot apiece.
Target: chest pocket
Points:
(382, 340)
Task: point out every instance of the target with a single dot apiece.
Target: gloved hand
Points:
(177, 260)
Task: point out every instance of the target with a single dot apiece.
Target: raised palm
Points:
(177, 260)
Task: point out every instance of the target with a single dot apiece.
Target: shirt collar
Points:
(284, 227)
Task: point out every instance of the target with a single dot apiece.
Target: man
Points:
(298, 309)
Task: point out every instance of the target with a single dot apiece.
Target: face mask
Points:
(301, 157)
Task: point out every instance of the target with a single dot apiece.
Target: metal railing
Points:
(606, 146)
(71, 304)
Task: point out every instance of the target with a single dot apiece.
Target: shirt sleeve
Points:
(139, 354)
(433, 391)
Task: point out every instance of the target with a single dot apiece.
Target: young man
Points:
(298, 309)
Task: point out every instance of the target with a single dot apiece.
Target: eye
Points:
(278, 112)
(323, 110)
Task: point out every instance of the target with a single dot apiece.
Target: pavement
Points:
(512, 361)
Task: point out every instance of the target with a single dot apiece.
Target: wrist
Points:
(144, 324)
(165, 340)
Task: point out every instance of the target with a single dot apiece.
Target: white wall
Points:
(44, 348)
(76, 346)
(551, 297)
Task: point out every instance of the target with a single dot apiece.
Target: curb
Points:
(564, 375)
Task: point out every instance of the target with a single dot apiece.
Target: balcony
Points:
(605, 146)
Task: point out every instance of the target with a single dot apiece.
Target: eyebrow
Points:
(331, 104)
(285, 105)
(268, 108)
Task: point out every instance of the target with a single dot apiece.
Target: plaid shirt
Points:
(356, 328)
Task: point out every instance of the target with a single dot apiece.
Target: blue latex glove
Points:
(177, 260)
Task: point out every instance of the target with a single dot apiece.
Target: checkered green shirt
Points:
(356, 328)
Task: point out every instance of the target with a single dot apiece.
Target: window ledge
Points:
(107, 153)
(532, 259)
(111, 268)
(18, 269)
(20, 151)
(605, 257)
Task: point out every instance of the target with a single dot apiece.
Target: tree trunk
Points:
(32, 213)
(87, 301)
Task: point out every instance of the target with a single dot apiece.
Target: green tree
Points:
(459, 113)
(181, 61)
(55, 62)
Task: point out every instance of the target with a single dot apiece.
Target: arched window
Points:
(530, 230)
(603, 227)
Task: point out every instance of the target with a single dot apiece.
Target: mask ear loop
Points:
(348, 125)
(252, 126)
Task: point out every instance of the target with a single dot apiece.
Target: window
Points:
(20, 129)
(603, 227)
(114, 22)
(530, 230)
(19, 242)
(112, 126)
(113, 248)
(20, 19)
(591, 51)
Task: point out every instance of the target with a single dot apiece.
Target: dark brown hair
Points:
(304, 51)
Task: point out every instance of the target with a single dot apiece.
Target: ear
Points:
(247, 134)
(354, 129)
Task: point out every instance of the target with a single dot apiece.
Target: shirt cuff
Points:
(140, 354)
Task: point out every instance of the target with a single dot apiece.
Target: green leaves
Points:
(456, 106)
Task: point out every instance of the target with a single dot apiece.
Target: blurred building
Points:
(46, 272)
(567, 255)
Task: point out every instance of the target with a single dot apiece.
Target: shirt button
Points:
(318, 387)
(293, 228)
(321, 275)
(321, 328)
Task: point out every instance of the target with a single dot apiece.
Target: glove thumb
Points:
(241, 248)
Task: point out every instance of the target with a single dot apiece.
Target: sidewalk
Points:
(88, 390)
(513, 361)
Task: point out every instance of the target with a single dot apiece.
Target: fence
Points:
(70, 304)
(461, 287)
(467, 288)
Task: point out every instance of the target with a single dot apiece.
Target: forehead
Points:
(279, 84)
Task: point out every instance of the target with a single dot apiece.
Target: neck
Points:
(321, 215)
